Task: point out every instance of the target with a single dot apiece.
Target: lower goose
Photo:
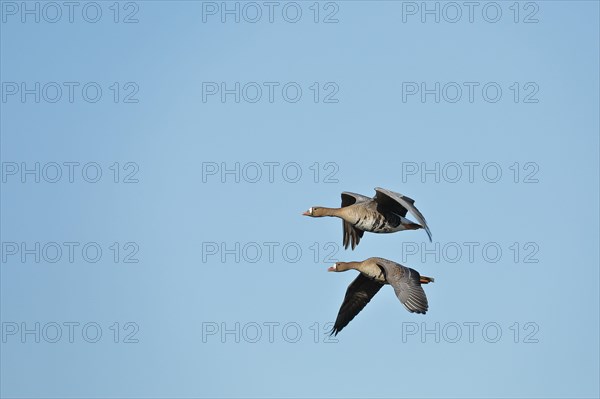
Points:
(374, 274)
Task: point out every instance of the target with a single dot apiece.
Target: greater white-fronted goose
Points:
(384, 213)
(374, 274)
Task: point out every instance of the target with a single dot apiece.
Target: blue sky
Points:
(156, 246)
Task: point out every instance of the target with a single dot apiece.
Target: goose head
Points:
(314, 212)
(341, 267)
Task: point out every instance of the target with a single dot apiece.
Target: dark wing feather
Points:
(352, 235)
(349, 198)
(358, 294)
(399, 204)
(407, 285)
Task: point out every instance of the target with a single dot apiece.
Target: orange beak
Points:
(306, 213)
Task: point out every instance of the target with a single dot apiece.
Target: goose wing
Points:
(352, 235)
(349, 198)
(358, 294)
(400, 204)
(407, 285)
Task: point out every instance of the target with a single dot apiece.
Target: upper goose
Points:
(374, 274)
(384, 213)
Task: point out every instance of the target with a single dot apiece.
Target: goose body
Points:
(374, 274)
(384, 213)
(366, 217)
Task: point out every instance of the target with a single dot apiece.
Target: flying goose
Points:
(384, 213)
(374, 274)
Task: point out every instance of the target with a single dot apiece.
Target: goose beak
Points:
(332, 269)
(306, 213)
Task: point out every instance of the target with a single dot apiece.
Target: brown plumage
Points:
(374, 274)
(384, 213)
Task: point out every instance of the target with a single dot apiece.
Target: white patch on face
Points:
(310, 210)
(334, 266)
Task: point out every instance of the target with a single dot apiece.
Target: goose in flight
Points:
(384, 213)
(374, 274)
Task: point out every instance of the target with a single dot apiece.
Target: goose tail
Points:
(426, 280)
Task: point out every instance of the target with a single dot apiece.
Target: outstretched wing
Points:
(352, 235)
(407, 285)
(358, 294)
(399, 204)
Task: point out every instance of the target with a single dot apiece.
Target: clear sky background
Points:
(522, 322)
